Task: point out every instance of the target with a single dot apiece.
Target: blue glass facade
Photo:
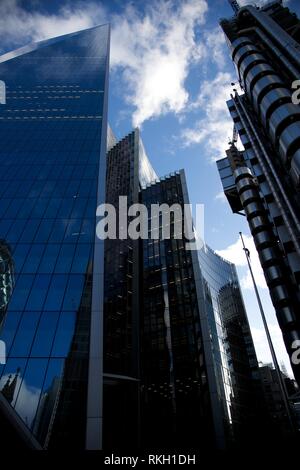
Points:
(52, 170)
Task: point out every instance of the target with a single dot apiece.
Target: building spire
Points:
(8, 390)
(235, 5)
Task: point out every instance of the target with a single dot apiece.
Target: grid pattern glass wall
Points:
(175, 398)
(121, 302)
(122, 180)
(50, 131)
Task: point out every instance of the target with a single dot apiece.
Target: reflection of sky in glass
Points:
(50, 132)
(226, 316)
(146, 172)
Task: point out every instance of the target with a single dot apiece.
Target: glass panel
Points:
(21, 291)
(11, 379)
(30, 390)
(65, 258)
(25, 334)
(19, 256)
(33, 259)
(49, 258)
(64, 334)
(9, 328)
(38, 292)
(51, 391)
(81, 259)
(74, 292)
(56, 292)
(45, 334)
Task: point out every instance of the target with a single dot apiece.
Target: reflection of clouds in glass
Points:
(146, 172)
(27, 399)
(79, 58)
(6, 278)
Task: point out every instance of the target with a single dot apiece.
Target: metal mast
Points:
(273, 354)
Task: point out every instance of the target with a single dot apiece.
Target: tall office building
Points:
(53, 144)
(103, 336)
(234, 357)
(128, 169)
(179, 362)
(263, 180)
(199, 376)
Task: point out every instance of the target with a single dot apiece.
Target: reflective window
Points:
(56, 292)
(50, 152)
(25, 334)
(45, 334)
(29, 393)
(64, 334)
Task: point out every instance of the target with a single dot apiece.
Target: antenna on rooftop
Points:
(235, 6)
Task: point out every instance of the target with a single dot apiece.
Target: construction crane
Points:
(235, 136)
(235, 6)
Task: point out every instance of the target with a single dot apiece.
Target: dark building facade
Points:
(273, 398)
(263, 179)
(128, 168)
(199, 375)
(52, 158)
(234, 358)
(168, 311)
(103, 336)
(176, 402)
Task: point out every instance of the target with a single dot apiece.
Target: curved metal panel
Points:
(267, 256)
(272, 274)
(280, 114)
(288, 137)
(253, 208)
(262, 239)
(249, 48)
(257, 222)
(244, 183)
(255, 72)
(285, 316)
(247, 61)
(248, 195)
(262, 85)
(242, 171)
(271, 97)
(279, 294)
(295, 168)
(238, 43)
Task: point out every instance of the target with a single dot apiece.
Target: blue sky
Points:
(170, 75)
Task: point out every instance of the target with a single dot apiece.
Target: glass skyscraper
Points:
(53, 132)
(235, 365)
(116, 343)
(128, 168)
(199, 372)
(263, 179)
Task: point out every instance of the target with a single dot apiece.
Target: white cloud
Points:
(216, 50)
(215, 128)
(220, 197)
(27, 398)
(262, 348)
(20, 26)
(236, 255)
(155, 51)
